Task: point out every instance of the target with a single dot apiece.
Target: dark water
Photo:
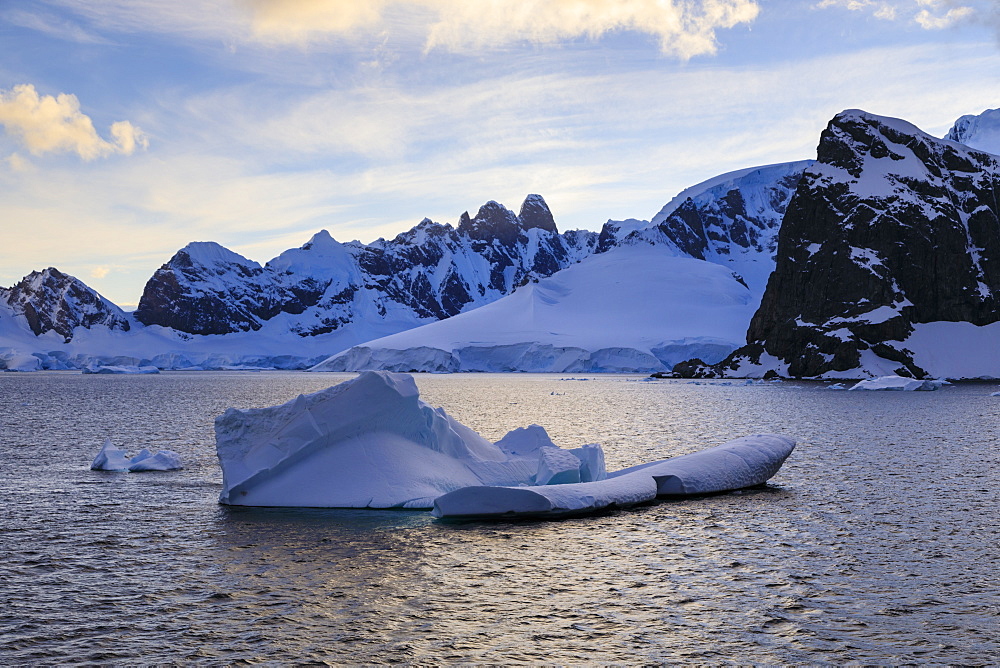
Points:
(875, 544)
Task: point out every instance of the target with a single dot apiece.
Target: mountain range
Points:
(874, 258)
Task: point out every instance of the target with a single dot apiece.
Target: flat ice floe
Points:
(111, 458)
(371, 443)
(744, 462)
(899, 384)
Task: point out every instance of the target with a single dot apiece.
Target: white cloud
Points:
(930, 21)
(683, 28)
(928, 14)
(55, 124)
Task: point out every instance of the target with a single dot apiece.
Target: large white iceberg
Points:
(899, 384)
(370, 442)
(110, 458)
(744, 462)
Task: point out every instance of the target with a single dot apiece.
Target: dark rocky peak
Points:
(535, 213)
(891, 228)
(206, 288)
(492, 221)
(53, 301)
(614, 232)
(423, 232)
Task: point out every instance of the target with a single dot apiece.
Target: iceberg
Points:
(899, 384)
(370, 442)
(744, 462)
(110, 458)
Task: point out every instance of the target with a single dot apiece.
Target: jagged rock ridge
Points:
(431, 272)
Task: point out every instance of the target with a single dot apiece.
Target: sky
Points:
(129, 128)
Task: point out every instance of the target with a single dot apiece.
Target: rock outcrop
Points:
(890, 228)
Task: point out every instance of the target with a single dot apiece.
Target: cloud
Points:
(928, 14)
(51, 25)
(55, 124)
(100, 272)
(930, 21)
(683, 28)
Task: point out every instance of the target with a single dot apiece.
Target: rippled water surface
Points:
(876, 543)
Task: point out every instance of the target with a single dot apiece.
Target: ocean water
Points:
(876, 543)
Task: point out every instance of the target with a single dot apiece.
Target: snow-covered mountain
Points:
(685, 285)
(881, 256)
(209, 307)
(633, 308)
(433, 271)
(978, 131)
(888, 261)
(51, 301)
(732, 220)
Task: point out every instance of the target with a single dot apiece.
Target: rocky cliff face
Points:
(433, 271)
(50, 300)
(891, 227)
(208, 289)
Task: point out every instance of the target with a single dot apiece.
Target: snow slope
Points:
(732, 220)
(980, 132)
(636, 308)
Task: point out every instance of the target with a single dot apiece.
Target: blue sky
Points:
(130, 127)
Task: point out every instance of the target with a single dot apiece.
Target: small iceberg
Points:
(371, 443)
(111, 458)
(899, 384)
(744, 462)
